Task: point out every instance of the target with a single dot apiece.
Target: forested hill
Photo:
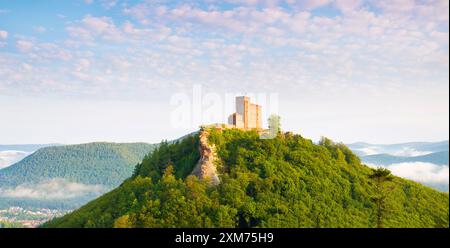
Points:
(93, 163)
(287, 181)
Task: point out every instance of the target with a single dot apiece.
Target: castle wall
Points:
(258, 117)
(240, 105)
(247, 116)
(236, 120)
(254, 117)
(242, 109)
(231, 119)
(239, 121)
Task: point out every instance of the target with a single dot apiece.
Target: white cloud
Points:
(312, 4)
(83, 65)
(90, 27)
(371, 150)
(427, 173)
(214, 18)
(24, 45)
(347, 5)
(396, 5)
(3, 34)
(402, 151)
(108, 4)
(8, 158)
(142, 11)
(409, 152)
(40, 29)
(255, 2)
(299, 21)
(43, 51)
(52, 189)
(385, 57)
(99, 24)
(27, 67)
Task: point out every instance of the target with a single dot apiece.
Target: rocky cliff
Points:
(206, 168)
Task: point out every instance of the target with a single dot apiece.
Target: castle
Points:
(248, 116)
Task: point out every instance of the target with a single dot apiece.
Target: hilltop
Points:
(287, 181)
(73, 174)
(93, 163)
(10, 154)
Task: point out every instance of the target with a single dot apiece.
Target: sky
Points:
(115, 70)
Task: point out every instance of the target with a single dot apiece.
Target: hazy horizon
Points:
(133, 141)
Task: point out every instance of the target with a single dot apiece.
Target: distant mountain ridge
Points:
(10, 157)
(433, 145)
(440, 158)
(91, 163)
(10, 154)
(361, 148)
(69, 175)
(424, 162)
(25, 147)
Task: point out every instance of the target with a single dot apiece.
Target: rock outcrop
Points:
(206, 168)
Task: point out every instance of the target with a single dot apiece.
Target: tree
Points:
(381, 176)
(123, 222)
(274, 123)
(287, 181)
(89, 224)
(274, 127)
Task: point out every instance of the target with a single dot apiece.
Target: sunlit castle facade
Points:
(247, 116)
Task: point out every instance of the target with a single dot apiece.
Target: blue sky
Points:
(106, 70)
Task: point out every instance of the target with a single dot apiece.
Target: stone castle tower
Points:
(247, 116)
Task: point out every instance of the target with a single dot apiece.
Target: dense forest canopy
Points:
(5, 224)
(93, 163)
(287, 181)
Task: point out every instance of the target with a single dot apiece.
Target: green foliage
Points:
(4, 224)
(381, 177)
(287, 181)
(183, 154)
(94, 163)
(274, 122)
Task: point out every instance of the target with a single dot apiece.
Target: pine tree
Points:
(381, 176)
